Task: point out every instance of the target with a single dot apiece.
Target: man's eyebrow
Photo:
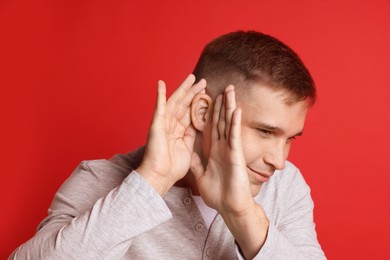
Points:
(265, 126)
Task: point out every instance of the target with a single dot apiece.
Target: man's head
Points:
(244, 58)
(273, 89)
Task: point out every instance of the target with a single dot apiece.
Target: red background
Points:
(78, 81)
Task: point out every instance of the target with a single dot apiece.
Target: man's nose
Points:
(276, 156)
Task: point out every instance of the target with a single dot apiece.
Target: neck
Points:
(188, 181)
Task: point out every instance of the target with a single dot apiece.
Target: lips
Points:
(261, 176)
(265, 175)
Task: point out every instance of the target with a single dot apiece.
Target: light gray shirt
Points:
(105, 210)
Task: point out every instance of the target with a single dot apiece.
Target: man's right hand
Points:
(171, 136)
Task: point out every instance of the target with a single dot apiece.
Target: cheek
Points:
(252, 147)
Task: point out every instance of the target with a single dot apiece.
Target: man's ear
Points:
(201, 110)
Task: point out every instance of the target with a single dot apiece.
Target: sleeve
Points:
(81, 224)
(293, 234)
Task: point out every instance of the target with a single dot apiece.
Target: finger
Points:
(222, 122)
(161, 99)
(177, 107)
(182, 90)
(214, 127)
(230, 107)
(235, 131)
(193, 91)
(196, 166)
(185, 118)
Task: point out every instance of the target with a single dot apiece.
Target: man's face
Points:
(268, 127)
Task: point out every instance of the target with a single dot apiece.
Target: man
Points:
(212, 181)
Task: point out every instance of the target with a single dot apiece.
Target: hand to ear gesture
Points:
(224, 185)
(171, 136)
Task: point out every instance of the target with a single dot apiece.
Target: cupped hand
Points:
(224, 185)
(171, 136)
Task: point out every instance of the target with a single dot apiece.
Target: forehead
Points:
(262, 104)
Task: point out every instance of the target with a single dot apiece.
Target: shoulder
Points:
(107, 171)
(98, 171)
(95, 178)
(90, 180)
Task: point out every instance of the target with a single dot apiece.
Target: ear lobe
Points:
(200, 110)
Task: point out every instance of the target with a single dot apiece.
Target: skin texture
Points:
(224, 150)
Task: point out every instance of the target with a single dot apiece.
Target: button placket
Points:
(209, 251)
(187, 201)
(199, 227)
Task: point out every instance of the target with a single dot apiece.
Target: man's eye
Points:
(265, 131)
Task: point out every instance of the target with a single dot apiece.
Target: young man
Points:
(212, 181)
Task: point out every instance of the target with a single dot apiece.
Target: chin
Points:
(255, 189)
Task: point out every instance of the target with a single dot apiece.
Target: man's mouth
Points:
(261, 176)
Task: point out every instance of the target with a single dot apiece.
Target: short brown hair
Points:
(244, 57)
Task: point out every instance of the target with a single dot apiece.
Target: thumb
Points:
(196, 166)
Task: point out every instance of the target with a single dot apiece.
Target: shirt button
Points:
(208, 251)
(187, 201)
(199, 227)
